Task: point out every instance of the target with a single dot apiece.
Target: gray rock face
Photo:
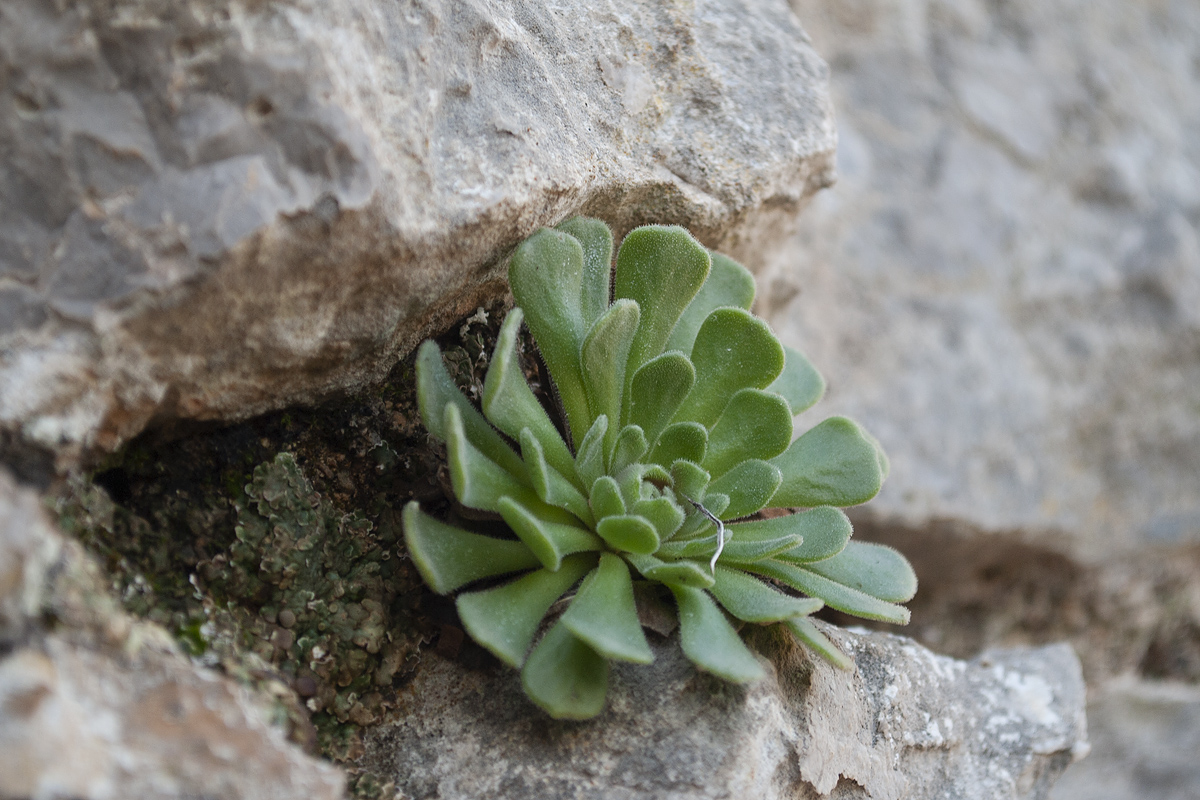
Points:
(906, 724)
(105, 707)
(212, 209)
(1004, 286)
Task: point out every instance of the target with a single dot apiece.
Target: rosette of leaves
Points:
(678, 405)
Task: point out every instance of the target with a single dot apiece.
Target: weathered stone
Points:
(98, 705)
(906, 723)
(215, 208)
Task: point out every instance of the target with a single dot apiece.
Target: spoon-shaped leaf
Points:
(749, 599)
(604, 616)
(804, 630)
(663, 513)
(680, 440)
(546, 274)
(823, 533)
(605, 352)
(565, 677)
(836, 595)
(709, 641)
(597, 242)
(681, 573)
(505, 619)
(589, 458)
(755, 424)
(737, 551)
(551, 487)
(733, 350)
(628, 533)
(448, 557)
(549, 539)
(833, 464)
(477, 480)
(689, 479)
(657, 390)
(606, 499)
(799, 383)
(629, 448)
(728, 284)
(873, 569)
(749, 485)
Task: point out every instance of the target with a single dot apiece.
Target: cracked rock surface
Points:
(215, 208)
(907, 723)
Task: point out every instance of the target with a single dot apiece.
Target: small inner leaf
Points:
(605, 352)
(873, 569)
(680, 573)
(824, 531)
(552, 487)
(597, 242)
(755, 424)
(689, 478)
(708, 639)
(749, 599)
(799, 383)
(833, 464)
(682, 440)
(728, 284)
(629, 533)
(664, 514)
(589, 459)
(836, 595)
(565, 677)
(505, 619)
(629, 448)
(606, 498)
(657, 390)
(804, 630)
(549, 538)
(749, 486)
(604, 616)
(448, 557)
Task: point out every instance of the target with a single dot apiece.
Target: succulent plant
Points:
(678, 406)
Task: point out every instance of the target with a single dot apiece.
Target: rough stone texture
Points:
(94, 705)
(907, 723)
(212, 208)
(1145, 739)
(1004, 286)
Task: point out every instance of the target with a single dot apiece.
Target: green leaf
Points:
(824, 531)
(564, 677)
(737, 551)
(728, 284)
(755, 424)
(749, 485)
(873, 569)
(505, 619)
(477, 480)
(551, 487)
(663, 513)
(661, 268)
(605, 352)
(734, 350)
(436, 391)
(597, 242)
(546, 273)
(448, 557)
(679, 573)
(629, 533)
(510, 405)
(804, 630)
(604, 616)
(799, 383)
(606, 498)
(836, 595)
(708, 639)
(589, 458)
(689, 479)
(749, 599)
(629, 448)
(681, 440)
(549, 539)
(658, 389)
(833, 464)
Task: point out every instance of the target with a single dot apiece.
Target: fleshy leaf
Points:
(589, 458)
(629, 448)
(749, 485)
(737, 551)
(604, 616)
(824, 532)
(436, 390)
(755, 424)
(734, 350)
(728, 284)
(606, 498)
(509, 404)
(680, 440)
(663, 513)
(546, 274)
(661, 268)
(708, 639)
(873, 569)
(551, 487)
(549, 539)
(799, 383)
(658, 389)
(629, 533)
(477, 480)
(833, 464)
(597, 242)
(605, 352)
(448, 557)
(505, 619)
(689, 478)
(804, 630)
(749, 599)
(836, 595)
(681, 573)
(565, 677)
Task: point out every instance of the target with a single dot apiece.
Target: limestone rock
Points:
(1004, 285)
(99, 706)
(216, 208)
(905, 724)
